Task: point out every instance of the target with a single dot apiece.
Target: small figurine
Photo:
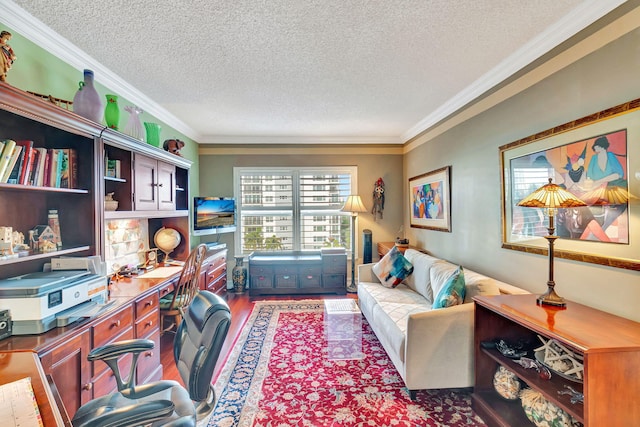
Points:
(378, 198)
(7, 57)
(173, 146)
(6, 241)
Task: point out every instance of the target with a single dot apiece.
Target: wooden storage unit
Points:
(213, 275)
(293, 272)
(610, 346)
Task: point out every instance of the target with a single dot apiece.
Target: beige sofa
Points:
(431, 348)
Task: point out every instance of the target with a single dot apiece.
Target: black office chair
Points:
(196, 348)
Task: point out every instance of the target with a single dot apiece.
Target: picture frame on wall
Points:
(430, 200)
(597, 159)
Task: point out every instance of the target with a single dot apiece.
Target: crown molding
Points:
(299, 140)
(39, 33)
(321, 150)
(580, 18)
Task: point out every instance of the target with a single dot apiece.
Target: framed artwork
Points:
(430, 198)
(597, 159)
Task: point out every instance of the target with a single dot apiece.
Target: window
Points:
(293, 208)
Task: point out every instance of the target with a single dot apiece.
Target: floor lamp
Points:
(354, 205)
(551, 197)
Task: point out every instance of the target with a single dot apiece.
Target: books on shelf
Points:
(22, 163)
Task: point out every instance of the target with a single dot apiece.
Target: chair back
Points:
(187, 285)
(197, 346)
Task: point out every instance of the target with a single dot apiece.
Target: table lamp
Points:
(354, 205)
(551, 197)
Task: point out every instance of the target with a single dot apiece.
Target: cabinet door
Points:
(71, 372)
(146, 182)
(166, 187)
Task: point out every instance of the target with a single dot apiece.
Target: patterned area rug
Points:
(279, 374)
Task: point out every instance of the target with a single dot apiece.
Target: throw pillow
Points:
(453, 291)
(393, 268)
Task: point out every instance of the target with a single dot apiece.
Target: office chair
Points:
(173, 303)
(196, 348)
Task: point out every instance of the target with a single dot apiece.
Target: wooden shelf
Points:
(19, 187)
(610, 346)
(145, 214)
(114, 179)
(43, 255)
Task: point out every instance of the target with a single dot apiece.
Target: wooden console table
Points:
(609, 344)
(384, 247)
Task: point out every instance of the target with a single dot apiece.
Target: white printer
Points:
(44, 300)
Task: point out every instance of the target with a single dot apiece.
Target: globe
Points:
(167, 239)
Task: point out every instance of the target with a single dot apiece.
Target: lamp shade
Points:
(551, 196)
(353, 204)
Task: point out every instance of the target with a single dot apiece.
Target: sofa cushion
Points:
(420, 279)
(453, 291)
(393, 268)
(439, 274)
(477, 284)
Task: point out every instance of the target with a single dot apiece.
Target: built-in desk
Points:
(133, 313)
(297, 272)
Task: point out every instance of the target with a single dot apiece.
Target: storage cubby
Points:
(609, 344)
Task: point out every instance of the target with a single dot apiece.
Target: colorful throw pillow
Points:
(393, 268)
(453, 291)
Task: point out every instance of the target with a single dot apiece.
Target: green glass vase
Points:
(112, 112)
(153, 133)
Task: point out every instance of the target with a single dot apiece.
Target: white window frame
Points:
(295, 209)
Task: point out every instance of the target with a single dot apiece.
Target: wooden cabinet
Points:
(292, 272)
(609, 344)
(68, 366)
(213, 275)
(154, 183)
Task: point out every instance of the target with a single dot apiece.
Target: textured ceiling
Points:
(350, 69)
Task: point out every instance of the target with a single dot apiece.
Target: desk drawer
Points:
(111, 326)
(99, 366)
(147, 324)
(146, 305)
(285, 270)
(150, 359)
(260, 270)
(334, 264)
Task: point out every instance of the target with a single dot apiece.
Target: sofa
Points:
(431, 348)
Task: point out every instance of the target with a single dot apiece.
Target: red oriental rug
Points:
(279, 374)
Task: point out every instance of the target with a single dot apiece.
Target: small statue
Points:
(173, 146)
(7, 57)
(378, 198)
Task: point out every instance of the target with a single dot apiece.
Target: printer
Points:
(44, 300)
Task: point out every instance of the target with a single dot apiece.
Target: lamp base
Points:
(352, 288)
(551, 298)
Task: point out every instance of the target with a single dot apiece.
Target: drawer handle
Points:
(150, 323)
(87, 387)
(148, 354)
(309, 277)
(285, 277)
(261, 277)
(116, 324)
(149, 303)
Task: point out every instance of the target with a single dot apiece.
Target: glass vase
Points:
(86, 102)
(153, 133)
(112, 112)
(134, 125)
(239, 276)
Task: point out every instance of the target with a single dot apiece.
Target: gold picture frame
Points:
(430, 200)
(587, 156)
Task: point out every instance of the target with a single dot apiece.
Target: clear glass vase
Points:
(86, 101)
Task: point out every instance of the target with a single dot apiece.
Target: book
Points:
(73, 168)
(34, 167)
(67, 172)
(12, 163)
(42, 158)
(58, 154)
(29, 158)
(46, 179)
(5, 155)
(53, 170)
(14, 178)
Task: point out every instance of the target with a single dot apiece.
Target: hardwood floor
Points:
(240, 306)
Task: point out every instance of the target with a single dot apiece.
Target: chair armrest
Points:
(109, 354)
(366, 274)
(136, 414)
(117, 349)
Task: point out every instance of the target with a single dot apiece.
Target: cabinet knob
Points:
(149, 354)
(160, 185)
(115, 324)
(150, 323)
(87, 386)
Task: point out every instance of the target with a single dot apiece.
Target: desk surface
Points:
(20, 364)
